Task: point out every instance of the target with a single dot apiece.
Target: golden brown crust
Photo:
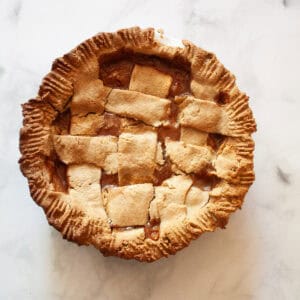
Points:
(180, 223)
(160, 82)
(149, 109)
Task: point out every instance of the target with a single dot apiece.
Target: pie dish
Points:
(137, 146)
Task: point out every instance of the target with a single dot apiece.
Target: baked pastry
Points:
(137, 147)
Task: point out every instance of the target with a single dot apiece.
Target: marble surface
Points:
(257, 256)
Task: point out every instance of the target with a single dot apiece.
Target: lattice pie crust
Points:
(137, 147)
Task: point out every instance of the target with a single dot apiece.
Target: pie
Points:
(137, 147)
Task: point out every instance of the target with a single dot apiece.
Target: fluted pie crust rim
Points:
(209, 77)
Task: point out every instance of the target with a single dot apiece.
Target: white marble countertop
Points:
(258, 255)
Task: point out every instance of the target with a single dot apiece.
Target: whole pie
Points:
(136, 146)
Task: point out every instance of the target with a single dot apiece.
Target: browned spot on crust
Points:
(222, 98)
